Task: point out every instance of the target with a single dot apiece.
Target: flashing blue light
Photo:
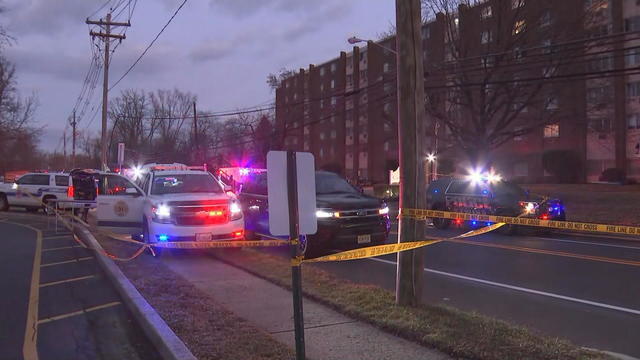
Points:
(474, 223)
(488, 224)
(435, 191)
(485, 192)
(163, 237)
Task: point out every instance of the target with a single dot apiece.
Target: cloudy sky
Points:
(220, 50)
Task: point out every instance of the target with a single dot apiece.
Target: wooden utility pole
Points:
(64, 149)
(106, 37)
(411, 117)
(73, 141)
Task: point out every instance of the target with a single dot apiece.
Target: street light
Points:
(354, 40)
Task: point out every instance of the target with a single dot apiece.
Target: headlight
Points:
(161, 213)
(384, 211)
(325, 213)
(529, 207)
(236, 211)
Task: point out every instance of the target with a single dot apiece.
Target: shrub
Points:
(564, 165)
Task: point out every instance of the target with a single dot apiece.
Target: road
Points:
(60, 305)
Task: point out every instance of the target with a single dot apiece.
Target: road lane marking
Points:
(67, 262)
(61, 248)
(548, 252)
(522, 289)
(80, 312)
(588, 243)
(29, 346)
(67, 281)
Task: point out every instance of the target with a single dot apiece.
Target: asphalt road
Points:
(57, 303)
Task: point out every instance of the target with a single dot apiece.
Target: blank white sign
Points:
(277, 193)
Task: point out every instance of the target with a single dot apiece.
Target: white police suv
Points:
(169, 206)
(32, 190)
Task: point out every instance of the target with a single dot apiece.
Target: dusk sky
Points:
(220, 50)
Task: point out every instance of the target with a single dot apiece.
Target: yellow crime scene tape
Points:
(554, 224)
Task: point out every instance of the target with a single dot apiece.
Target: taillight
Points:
(238, 234)
(70, 191)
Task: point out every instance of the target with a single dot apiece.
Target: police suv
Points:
(32, 190)
(169, 206)
(487, 195)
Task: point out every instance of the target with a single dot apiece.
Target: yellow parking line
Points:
(76, 313)
(67, 261)
(550, 252)
(61, 248)
(66, 281)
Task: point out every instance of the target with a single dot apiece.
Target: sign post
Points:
(120, 156)
(291, 176)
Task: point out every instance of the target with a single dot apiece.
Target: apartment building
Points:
(572, 81)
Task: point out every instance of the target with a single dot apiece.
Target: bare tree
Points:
(504, 80)
(274, 80)
(170, 110)
(127, 114)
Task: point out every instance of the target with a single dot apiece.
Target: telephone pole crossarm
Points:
(103, 35)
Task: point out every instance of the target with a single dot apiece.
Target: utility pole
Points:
(411, 116)
(195, 132)
(64, 149)
(73, 141)
(106, 36)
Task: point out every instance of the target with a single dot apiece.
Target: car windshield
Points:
(184, 183)
(332, 184)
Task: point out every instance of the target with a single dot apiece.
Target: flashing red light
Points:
(458, 221)
(545, 217)
(70, 191)
(238, 233)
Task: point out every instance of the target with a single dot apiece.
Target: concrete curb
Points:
(161, 336)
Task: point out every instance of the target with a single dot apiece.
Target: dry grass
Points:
(208, 329)
(597, 203)
(460, 334)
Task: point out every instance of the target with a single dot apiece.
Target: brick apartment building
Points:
(344, 111)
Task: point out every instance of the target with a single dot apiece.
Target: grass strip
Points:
(457, 333)
(208, 329)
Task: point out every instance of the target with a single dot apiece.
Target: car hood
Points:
(351, 201)
(188, 197)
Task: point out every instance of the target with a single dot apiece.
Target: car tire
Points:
(4, 204)
(146, 237)
(439, 223)
(47, 210)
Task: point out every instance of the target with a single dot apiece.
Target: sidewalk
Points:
(328, 335)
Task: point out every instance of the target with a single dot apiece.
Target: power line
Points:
(148, 46)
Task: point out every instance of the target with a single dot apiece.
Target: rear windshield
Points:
(184, 183)
(333, 184)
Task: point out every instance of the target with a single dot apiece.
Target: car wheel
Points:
(440, 223)
(146, 237)
(46, 209)
(4, 204)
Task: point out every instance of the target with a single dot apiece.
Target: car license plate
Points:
(203, 237)
(364, 239)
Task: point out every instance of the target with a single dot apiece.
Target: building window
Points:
(601, 63)
(363, 75)
(551, 103)
(363, 99)
(633, 89)
(519, 27)
(321, 153)
(306, 146)
(632, 57)
(349, 104)
(333, 84)
(515, 4)
(321, 103)
(385, 67)
(545, 18)
(485, 37)
(549, 71)
(521, 169)
(546, 46)
(333, 67)
(363, 57)
(552, 131)
(386, 146)
(321, 135)
(321, 87)
(633, 121)
(387, 108)
(334, 101)
(295, 141)
(426, 32)
(333, 134)
(322, 71)
(486, 12)
(333, 119)
(600, 125)
(598, 95)
(387, 88)
(632, 24)
(487, 61)
(350, 80)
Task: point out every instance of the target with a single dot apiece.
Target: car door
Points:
(29, 189)
(119, 205)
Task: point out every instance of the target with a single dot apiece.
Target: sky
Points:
(219, 50)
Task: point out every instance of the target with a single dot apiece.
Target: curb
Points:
(161, 336)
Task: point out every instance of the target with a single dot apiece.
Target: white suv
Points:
(170, 205)
(32, 190)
